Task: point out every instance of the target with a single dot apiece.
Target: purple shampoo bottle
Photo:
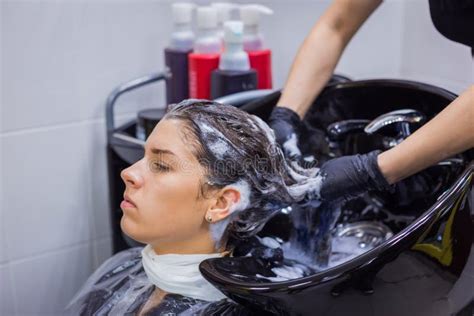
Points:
(176, 55)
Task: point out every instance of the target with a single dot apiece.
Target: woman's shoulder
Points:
(120, 261)
(115, 270)
(125, 262)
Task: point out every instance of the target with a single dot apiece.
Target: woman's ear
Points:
(225, 202)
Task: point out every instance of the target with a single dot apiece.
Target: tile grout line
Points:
(57, 250)
(14, 290)
(60, 125)
(89, 149)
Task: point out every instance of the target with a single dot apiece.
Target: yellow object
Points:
(442, 252)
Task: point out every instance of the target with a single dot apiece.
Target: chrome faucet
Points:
(404, 119)
(338, 130)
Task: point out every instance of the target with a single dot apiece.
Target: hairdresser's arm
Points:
(321, 50)
(449, 133)
(313, 66)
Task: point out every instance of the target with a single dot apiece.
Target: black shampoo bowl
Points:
(420, 270)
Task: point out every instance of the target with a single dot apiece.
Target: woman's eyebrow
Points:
(159, 151)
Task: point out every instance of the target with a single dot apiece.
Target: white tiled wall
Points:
(43, 283)
(60, 59)
(45, 185)
(428, 56)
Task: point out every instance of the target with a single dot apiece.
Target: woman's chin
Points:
(129, 228)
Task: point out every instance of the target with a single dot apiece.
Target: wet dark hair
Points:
(234, 146)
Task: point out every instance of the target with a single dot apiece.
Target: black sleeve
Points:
(454, 19)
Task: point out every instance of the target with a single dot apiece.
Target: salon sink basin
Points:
(417, 263)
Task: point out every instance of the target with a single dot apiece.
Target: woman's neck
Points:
(196, 245)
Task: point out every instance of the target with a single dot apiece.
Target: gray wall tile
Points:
(46, 180)
(61, 59)
(102, 251)
(48, 282)
(430, 57)
(7, 300)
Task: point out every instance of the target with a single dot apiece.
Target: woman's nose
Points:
(131, 176)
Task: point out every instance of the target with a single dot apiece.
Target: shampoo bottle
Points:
(234, 73)
(224, 14)
(260, 58)
(176, 55)
(205, 57)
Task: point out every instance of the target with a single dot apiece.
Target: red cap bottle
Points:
(205, 57)
(260, 58)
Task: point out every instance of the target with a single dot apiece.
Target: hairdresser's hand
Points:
(349, 176)
(287, 127)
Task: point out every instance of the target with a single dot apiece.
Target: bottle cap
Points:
(206, 17)
(182, 12)
(250, 13)
(224, 10)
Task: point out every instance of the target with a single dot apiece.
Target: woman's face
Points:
(162, 205)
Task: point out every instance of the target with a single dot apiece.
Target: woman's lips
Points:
(127, 203)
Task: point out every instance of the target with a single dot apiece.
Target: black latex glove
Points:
(348, 177)
(286, 124)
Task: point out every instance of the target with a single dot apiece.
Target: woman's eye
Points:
(157, 166)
